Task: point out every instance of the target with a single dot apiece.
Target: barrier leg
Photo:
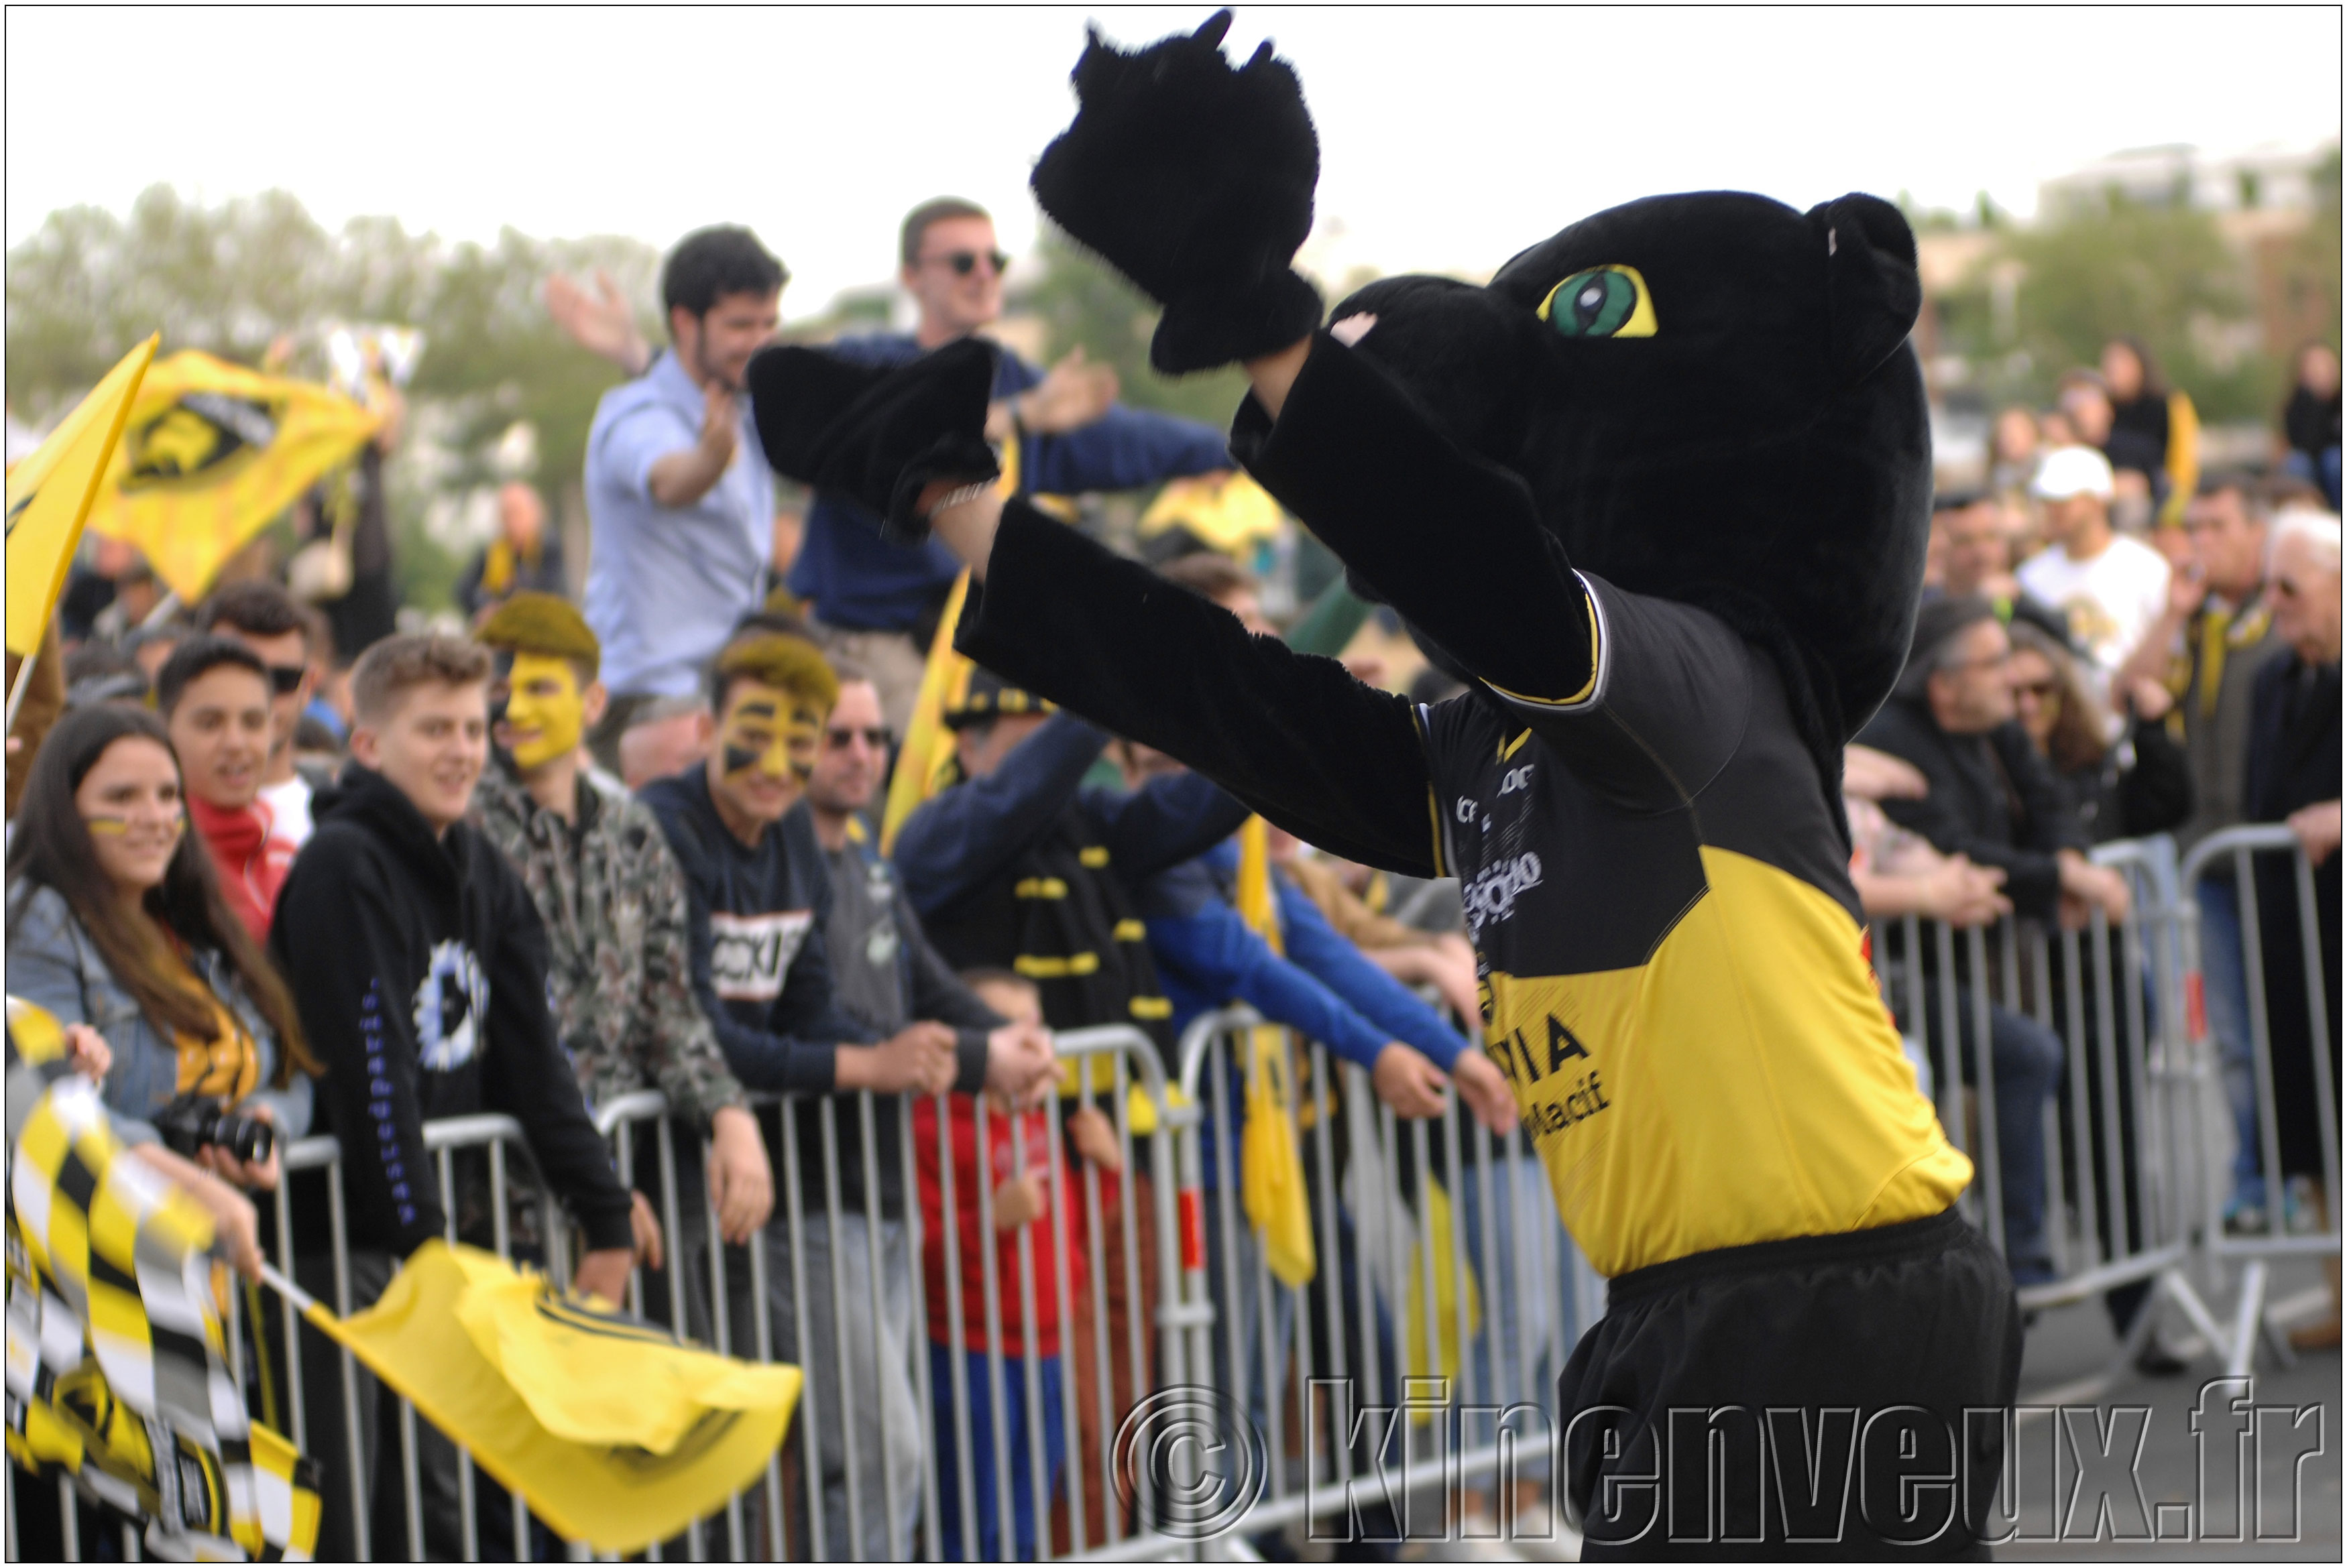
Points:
(2242, 1344)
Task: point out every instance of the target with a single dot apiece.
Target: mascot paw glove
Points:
(880, 435)
(1195, 181)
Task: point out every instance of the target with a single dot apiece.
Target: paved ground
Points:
(2298, 1508)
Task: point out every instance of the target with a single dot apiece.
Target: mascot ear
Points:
(1872, 291)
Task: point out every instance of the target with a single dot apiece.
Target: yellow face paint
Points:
(115, 826)
(767, 730)
(546, 707)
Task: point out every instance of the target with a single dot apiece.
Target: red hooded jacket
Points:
(1052, 1237)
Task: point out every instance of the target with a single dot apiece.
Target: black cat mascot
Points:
(1659, 492)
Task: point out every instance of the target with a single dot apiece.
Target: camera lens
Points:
(253, 1138)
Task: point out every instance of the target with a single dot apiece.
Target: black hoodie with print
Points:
(418, 965)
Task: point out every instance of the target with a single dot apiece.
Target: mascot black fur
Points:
(1659, 492)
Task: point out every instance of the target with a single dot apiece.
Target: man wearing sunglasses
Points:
(265, 618)
(1065, 434)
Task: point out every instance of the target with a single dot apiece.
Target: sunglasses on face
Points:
(965, 262)
(2042, 690)
(878, 737)
(285, 679)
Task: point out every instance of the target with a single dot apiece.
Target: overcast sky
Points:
(1449, 138)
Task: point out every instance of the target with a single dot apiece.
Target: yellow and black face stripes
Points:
(768, 731)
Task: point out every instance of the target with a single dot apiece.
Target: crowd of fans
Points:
(634, 843)
(2115, 644)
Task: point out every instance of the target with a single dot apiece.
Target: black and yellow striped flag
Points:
(117, 1363)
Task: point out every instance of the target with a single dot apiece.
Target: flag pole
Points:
(161, 612)
(24, 684)
(305, 1303)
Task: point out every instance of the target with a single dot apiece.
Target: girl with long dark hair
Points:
(115, 922)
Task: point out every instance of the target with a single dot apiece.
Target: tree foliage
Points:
(2152, 271)
(234, 279)
(1083, 300)
(2161, 272)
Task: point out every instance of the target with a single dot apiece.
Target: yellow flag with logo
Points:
(50, 492)
(617, 1434)
(213, 453)
(1271, 1184)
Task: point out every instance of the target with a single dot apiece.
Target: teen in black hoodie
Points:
(417, 962)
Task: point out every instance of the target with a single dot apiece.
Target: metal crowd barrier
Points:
(711, 1292)
(2120, 1125)
(1422, 1357)
(2233, 856)
(1419, 1361)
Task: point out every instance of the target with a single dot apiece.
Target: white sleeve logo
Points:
(452, 1003)
(750, 954)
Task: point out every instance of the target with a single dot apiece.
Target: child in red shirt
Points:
(1019, 1190)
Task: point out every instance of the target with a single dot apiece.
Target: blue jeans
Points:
(1019, 1424)
(2024, 1064)
(1523, 1302)
(2225, 993)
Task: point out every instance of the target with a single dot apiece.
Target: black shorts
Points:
(1797, 1399)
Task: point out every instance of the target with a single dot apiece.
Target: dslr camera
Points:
(195, 1121)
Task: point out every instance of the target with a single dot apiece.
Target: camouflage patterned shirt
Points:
(619, 972)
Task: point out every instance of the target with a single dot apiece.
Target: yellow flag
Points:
(213, 453)
(1449, 1280)
(615, 1434)
(1271, 1186)
(925, 760)
(49, 496)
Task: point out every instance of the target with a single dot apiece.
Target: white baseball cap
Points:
(2068, 471)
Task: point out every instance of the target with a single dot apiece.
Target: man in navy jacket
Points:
(1062, 430)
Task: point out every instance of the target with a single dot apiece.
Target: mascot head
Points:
(1712, 400)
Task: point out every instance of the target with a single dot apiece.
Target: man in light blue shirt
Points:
(679, 497)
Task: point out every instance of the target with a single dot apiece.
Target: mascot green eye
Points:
(1602, 302)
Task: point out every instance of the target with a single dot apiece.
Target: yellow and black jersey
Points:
(1671, 950)
(1650, 861)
